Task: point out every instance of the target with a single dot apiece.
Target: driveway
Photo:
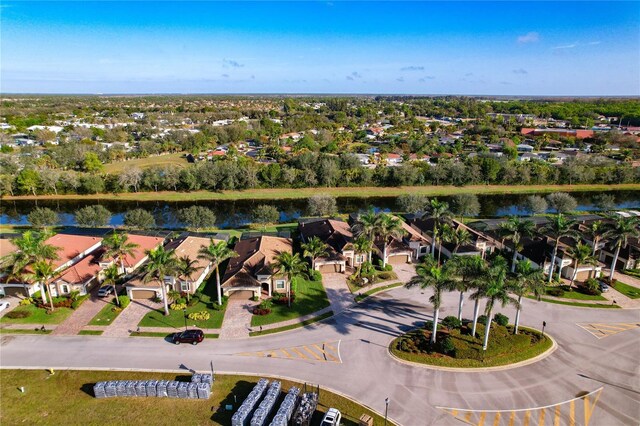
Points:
(129, 319)
(13, 302)
(81, 316)
(337, 291)
(237, 319)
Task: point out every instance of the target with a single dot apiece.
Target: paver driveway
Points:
(237, 319)
(81, 316)
(128, 319)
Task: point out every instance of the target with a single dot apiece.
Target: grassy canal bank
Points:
(356, 192)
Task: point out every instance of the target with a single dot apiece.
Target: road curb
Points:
(540, 357)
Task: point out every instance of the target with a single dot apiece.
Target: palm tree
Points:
(456, 236)
(439, 212)
(389, 227)
(429, 274)
(467, 270)
(367, 225)
(117, 247)
(161, 264)
(361, 244)
(595, 232)
(514, 229)
(42, 272)
(496, 291)
(581, 255)
(618, 232)
(291, 266)
(186, 268)
(527, 279)
(558, 228)
(313, 249)
(216, 253)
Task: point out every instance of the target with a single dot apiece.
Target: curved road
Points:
(581, 363)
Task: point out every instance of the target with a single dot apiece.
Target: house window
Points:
(64, 289)
(424, 249)
(279, 284)
(184, 286)
(360, 258)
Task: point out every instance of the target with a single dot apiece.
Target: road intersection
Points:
(366, 372)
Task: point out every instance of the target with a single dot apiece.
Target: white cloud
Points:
(566, 46)
(530, 37)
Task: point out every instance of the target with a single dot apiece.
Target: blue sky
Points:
(493, 48)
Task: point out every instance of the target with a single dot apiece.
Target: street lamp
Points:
(386, 410)
(184, 311)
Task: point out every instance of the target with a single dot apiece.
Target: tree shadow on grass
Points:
(240, 390)
(154, 318)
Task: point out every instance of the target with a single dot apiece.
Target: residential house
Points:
(138, 256)
(338, 237)
(251, 273)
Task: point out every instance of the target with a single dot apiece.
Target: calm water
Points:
(232, 214)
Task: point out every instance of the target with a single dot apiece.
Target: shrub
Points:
(386, 275)
(18, 314)
(199, 316)
(428, 325)
(26, 302)
(193, 300)
(451, 322)
(555, 291)
(259, 311)
(265, 304)
(592, 286)
(255, 298)
(388, 267)
(177, 306)
(447, 347)
(315, 275)
(74, 295)
(124, 301)
(79, 301)
(37, 295)
(500, 319)
(482, 319)
(282, 299)
(181, 300)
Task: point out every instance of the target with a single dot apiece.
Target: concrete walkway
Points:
(81, 316)
(129, 318)
(237, 319)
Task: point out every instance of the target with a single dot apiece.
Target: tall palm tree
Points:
(43, 271)
(467, 270)
(315, 248)
(361, 245)
(389, 227)
(581, 255)
(595, 232)
(514, 229)
(118, 246)
(185, 268)
(429, 274)
(367, 225)
(557, 228)
(496, 291)
(161, 263)
(618, 232)
(456, 236)
(291, 266)
(439, 212)
(216, 253)
(527, 279)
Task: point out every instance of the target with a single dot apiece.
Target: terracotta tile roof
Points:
(255, 255)
(82, 271)
(190, 247)
(70, 246)
(335, 233)
(145, 243)
(6, 247)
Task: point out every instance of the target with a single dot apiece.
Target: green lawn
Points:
(504, 347)
(208, 302)
(106, 315)
(90, 332)
(380, 276)
(628, 290)
(292, 326)
(366, 294)
(177, 159)
(581, 305)
(576, 295)
(23, 331)
(67, 396)
(38, 315)
(310, 297)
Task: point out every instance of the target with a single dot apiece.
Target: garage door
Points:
(14, 291)
(143, 294)
(241, 294)
(396, 260)
(329, 268)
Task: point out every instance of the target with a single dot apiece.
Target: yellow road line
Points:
(467, 417)
(481, 419)
(541, 418)
(318, 357)
(572, 413)
(556, 419)
(327, 345)
(300, 354)
(286, 354)
(527, 414)
(496, 419)
(512, 419)
(454, 413)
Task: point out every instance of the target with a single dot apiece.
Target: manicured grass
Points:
(67, 396)
(144, 163)
(38, 315)
(157, 334)
(106, 315)
(360, 192)
(292, 326)
(386, 276)
(90, 332)
(582, 305)
(366, 294)
(310, 297)
(23, 331)
(632, 272)
(504, 347)
(577, 295)
(175, 319)
(628, 290)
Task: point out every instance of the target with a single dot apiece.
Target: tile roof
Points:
(6, 247)
(190, 247)
(82, 271)
(255, 255)
(70, 246)
(144, 243)
(336, 233)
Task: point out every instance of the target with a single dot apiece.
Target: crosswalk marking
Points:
(560, 414)
(314, 352)
(602, 330)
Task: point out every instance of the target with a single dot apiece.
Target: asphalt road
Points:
(367, 373)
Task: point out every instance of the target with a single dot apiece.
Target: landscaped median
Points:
(24, 331)
(67, 396)
(361, 296)
(292, 326)
(456, 348)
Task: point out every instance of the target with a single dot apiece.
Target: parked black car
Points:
(189, 336)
